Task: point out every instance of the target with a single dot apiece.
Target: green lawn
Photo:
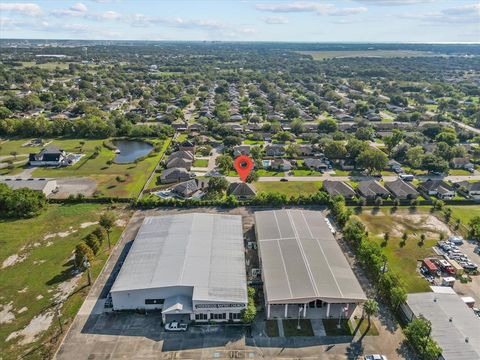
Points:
(271, 328)
(181, 138)
(253, 142)
(33, 284)
(122, 180)
(289, 187)
(332, 329)
(200, 163)
(402, 258)
(361, 326)
(459, 172)
(465, 213)
(263, 172)
(306, 172)
(290, 327)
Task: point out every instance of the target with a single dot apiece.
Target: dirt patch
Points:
(59, 234)
(66, 288)
(399, 222)
(6, 314)
(37, 325)
(24, 290)
(73, 186)
(88, 224)
(120, 222)
(12, 260)
(22, 310)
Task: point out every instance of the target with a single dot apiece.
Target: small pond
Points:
(131, 150)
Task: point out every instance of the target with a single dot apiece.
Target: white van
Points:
(406, 177)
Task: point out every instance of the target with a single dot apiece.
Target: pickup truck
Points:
(176, 326)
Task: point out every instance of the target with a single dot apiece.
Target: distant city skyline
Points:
(416, 21)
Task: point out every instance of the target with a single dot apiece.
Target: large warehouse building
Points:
(304, 271)
(191, 266)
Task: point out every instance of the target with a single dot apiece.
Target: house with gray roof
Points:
(242, 190)
(438, 188)
(174, 175)
(401, 190)
(335, 188)
(372, 189)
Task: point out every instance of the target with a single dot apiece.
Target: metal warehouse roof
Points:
(439, 308)
(204, 251)
(301, 260)
(32, 183)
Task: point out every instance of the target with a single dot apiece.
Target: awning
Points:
(177, 305)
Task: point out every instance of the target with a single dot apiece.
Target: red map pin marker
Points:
(243, 164)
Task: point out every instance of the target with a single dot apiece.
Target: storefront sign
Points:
(218, 306)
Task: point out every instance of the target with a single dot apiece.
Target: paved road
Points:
(453, 178)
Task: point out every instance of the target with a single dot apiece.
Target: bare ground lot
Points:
(95, 334)
(74, 186)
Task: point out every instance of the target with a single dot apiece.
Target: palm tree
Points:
(370, 307)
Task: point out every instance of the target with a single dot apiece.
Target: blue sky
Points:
(307, 21)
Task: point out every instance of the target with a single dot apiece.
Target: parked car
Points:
(283, 179)
(176, 326)
(375, 357)
(406, 177)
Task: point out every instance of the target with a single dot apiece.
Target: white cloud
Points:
(79, 7)
(312, 7)
(465, 14)
(468, 9)
(348, 11)
(395, 2)
(29, 9)
(297, 6)
(275, 20)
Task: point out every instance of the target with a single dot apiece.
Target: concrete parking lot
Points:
(96, 334)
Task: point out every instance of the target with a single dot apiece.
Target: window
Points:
(234, 316)
(221, 316)
(201, 316)
(154, 301)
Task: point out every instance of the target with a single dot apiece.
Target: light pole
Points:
(300, 309)
(86, 264)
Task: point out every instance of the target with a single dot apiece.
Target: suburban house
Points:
(196, 127)
(49, 156)
(401, 190)
(241, 150)
(394, 166)
(305, 150)
(179, 162)
(462, 163)
(187, 155)
(187, 145)
(335, 188)
(174, 175)
(348, 164)
(241, 190)
(181, 126)
(315, 164)
(281, 164)
(274, 150)
(438, 188)
(472, 189)
(190, 188)
(371, 189)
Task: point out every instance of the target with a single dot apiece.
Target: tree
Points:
(297, 126)
(93, 243)
(474, 228)
(394, 139)
(292, 112)
(292, 150)
(327, 126)
(82, 253)
(418, 333)
(414, 156)
(107, 221)
(248, 314)
(422, 239)
(252, 177)
(225, 163)
(370, 308)
(372, 159)
(218, 184)
(398, 296)
(355, 147)
(434, 163)
(335, 150)
(100, 233)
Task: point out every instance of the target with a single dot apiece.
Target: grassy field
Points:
(122, 180)
(253, 142)
(200, 163)
(43, 271)
(306, 172)
(290, 187)
(465, 213)
(48, 66)
(322, 55)
(271, 328)
(403, 257)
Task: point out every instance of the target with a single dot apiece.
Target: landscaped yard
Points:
(253, 142)
(271, 328)
(402, 258)
(460, 172)
(122, 180)
(200, 163)
(37, 270)
(465, 213)
(289, 187)
(263, 172)
(348, 327)
(290, 327)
